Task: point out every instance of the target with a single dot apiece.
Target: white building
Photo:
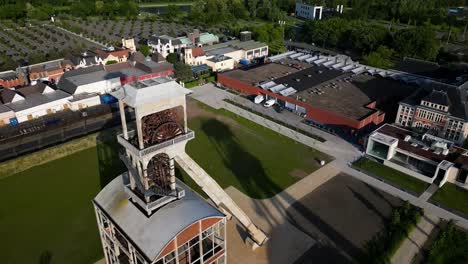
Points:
(84, 100)
(86, 59)
(309, 11)
(165, 44)
(428, 158)
(35, 101)
(194, 56)
(220, 63)
(6, 114)
(238, 50)
(89, 80)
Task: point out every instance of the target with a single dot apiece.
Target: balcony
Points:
(141, 153)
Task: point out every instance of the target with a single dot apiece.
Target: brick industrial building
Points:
(344, 102)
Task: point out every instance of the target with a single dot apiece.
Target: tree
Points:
(172, 11)
(144, 49)
(172, 58)
(419, 42)
(183, 72)
(110, 62)
(380, 58)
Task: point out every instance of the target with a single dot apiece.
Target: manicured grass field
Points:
(452, 196)
(47, 213)
(250, 157)
(399, 178)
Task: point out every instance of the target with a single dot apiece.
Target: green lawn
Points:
(452, 196)
(399, 178)
(47, 211)
(250, 157)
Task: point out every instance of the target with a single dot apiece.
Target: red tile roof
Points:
(196, 52)
(103, 54)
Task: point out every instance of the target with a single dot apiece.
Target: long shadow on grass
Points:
(252, 177)
(110, 165)
(247, 169)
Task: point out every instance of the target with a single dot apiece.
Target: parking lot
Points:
(341, 215)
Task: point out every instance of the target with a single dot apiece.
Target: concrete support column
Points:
(101, 233)
(139, 129)
(185, 118)
(123, 119)
(173, 177)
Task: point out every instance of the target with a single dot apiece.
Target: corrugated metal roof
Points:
(151, 234)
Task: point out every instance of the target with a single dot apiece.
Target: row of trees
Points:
(375, 41)
(212, 12)
(41, 10)
(407, 11)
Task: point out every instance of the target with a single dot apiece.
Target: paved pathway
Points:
(343, 152)
(429, 192)
(287, 243)
(416, 240)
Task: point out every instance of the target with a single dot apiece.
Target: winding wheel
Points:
(161, 126)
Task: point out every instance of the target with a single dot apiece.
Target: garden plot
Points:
(112, 32)
(36, 42)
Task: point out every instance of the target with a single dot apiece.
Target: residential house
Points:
(194, 56)
(50, 71)
(11, 79)
(112, 55)
(165, 44)
(86, 59)
(202, 39)
(129, 44)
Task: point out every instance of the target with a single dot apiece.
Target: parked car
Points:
(279, 108)
(269, 103)
(259, 98)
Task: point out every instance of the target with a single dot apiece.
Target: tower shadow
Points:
(252, 177)
(107, 148)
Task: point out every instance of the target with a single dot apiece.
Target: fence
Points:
(54, 129)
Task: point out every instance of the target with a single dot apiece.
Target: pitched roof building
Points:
(438, 109)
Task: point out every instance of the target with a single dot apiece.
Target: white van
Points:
(259, 98)
(269, 103)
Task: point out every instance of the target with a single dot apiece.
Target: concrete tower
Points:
(147, 215)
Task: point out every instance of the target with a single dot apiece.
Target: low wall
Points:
(409, 172)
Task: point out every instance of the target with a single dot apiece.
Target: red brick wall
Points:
(12, 83)
(206, 223)
(314, 113)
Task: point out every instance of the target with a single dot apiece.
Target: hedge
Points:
(381, 248)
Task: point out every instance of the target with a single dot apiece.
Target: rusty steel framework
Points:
(161, 126)
(159, 173)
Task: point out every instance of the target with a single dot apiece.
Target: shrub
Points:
(384, 244)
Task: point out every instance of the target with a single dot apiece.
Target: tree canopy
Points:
(182, 71)
(364, 38)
